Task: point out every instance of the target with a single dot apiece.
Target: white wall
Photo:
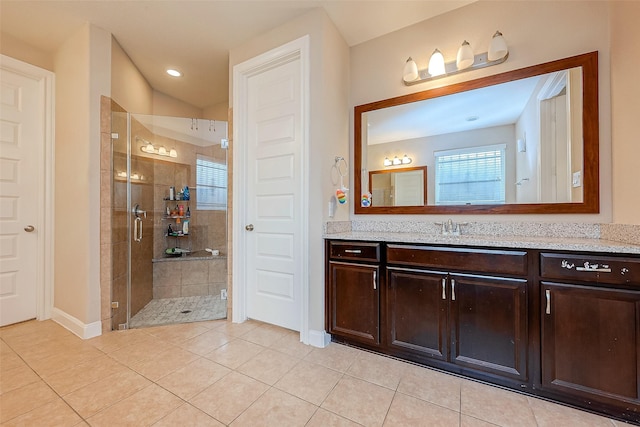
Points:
(82, 66)
(329, 126)
(535, 31)
(625, 96)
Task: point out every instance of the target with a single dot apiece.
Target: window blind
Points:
(470, 176)
(211, 184)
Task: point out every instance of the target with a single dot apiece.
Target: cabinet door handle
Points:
(375, 279)
(444, 288)
(596, 270)
(353, 251)
(453, 290)
(547, 294)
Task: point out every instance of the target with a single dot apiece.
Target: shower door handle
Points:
(137, 229)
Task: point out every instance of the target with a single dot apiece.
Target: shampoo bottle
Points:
(185, 227)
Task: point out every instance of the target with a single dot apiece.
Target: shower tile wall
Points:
(186, 278)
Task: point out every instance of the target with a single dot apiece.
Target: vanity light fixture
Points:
(465, 61)
(405, 160)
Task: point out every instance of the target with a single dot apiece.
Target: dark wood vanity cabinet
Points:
(353, 292)
(590, 336)
(563, 326)
(475, 321)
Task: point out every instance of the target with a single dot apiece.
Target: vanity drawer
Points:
(356, 251)
(590, 268)
(469, 259)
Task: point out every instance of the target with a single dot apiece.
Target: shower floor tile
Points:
(180, 310)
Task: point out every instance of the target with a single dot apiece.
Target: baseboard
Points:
(67, 321)
(319, 339)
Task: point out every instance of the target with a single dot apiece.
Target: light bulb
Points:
(465, 57)
(149, 148)
(173, 153)
(397, 161)
(162, 151)
(436, 64)
(410, 72)
(387, 162)
(498, 47)
(406, 160)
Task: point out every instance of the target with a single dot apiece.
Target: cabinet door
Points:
(489, 330)
(591, 343)
(354, 302)
(417, 312)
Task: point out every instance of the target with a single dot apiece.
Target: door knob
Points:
(249, 227)
(29, 228)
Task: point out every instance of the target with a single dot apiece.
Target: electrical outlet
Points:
(577, 179)
(223, 294)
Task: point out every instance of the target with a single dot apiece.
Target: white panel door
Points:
(274, 190)
(21, 139)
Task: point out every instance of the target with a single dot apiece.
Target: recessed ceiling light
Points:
(174, 73)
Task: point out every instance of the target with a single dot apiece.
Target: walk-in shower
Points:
(168, 220)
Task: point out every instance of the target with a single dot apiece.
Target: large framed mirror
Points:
(520, 142)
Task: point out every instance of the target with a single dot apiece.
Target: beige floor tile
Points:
(142, 408)
(10, 359)
(291, 345)
(410, 411)
(25, 399)
(212, 324)
(549, 414)
(432, 386)
(377, 369)
(265, 335)
(467, 421)
(64, 359)
(237, 329)
(228, 398)
(193, 378)
(324, 418)
(206, 342)
(43, 329)
(276, 408)
(359, 401)
(268, 366)
(177, 333)
(495, 405)
(33, 350)
(335, 356)
(17, 377)
(115, 340)
(92, 398)
(309, 381)
(72, 379)
(53, 414)
(235, 353)
(188, 416)
(164, 363)
(142, 350)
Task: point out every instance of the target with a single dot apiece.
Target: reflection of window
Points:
(211, 184)
(470, 175)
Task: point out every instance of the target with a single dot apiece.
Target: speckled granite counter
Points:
(522, 242)
(586, 237)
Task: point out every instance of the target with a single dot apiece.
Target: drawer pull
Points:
(375, 279)
(353, 251)
(444, 288)
(598, 270)
(547, 294)
(453, 290)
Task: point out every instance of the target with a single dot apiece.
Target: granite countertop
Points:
(521, 242)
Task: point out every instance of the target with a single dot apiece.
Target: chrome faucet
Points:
(451, 228)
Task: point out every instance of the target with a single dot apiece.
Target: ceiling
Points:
(196, 36)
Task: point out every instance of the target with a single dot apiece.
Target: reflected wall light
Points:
(405, 160)
(465, 61)
(147, 147)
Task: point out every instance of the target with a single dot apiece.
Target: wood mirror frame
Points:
(590, 129)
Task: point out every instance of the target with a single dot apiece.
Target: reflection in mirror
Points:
(399, 187)
(520, 142)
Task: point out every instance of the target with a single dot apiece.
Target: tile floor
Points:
(218, 373)
(166, 311)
